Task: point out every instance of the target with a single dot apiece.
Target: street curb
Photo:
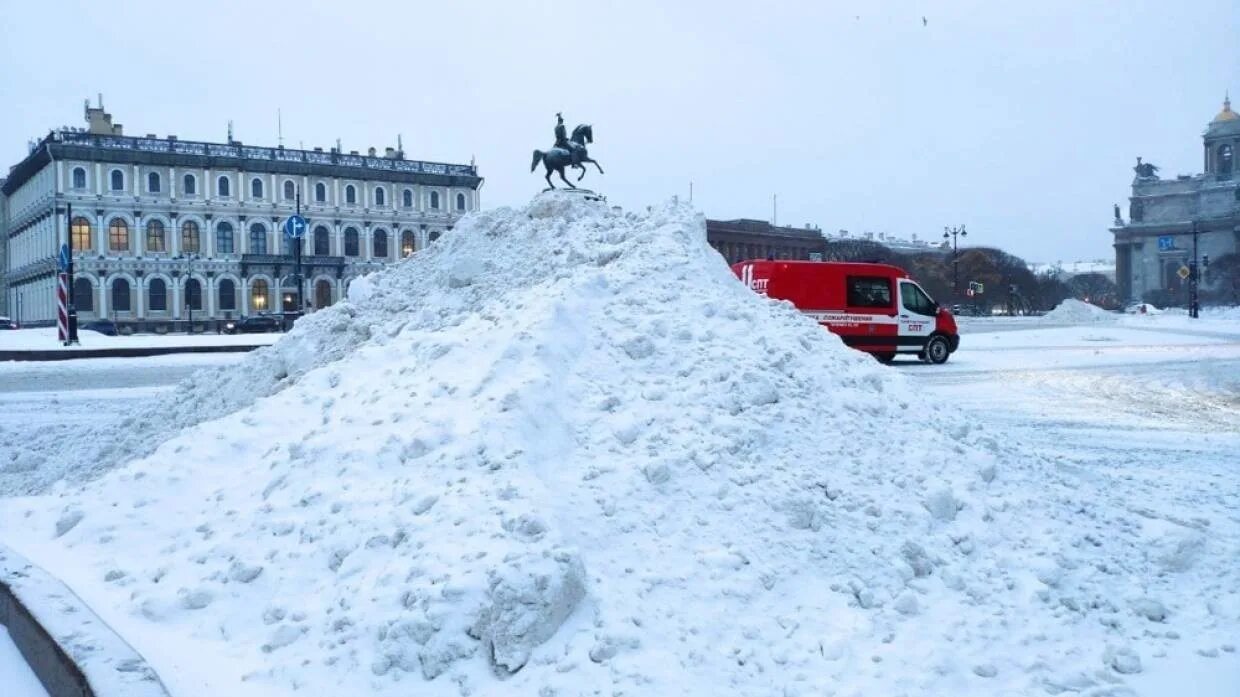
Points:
(72, 354)
(70, 650)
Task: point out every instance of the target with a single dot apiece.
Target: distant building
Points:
(914, 245)
(745, 238)
(163, 227)
(1067, 270)
(1157, 240)
(4, 248)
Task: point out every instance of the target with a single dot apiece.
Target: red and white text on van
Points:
(875, 308)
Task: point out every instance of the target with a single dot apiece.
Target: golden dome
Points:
(1226, 114)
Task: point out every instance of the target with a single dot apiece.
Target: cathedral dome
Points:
(1226, 124)
(1226, 114)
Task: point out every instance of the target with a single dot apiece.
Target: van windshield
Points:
(916, 300)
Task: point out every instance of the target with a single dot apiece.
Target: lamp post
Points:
(954, 234)
(189, 276)
(1192, 277)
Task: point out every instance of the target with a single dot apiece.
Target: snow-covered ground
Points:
(564, 452)
(16, 678)
(44, 339)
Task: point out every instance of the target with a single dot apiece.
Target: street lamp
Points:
(1192, 277)
(954, 234)
(189, 276)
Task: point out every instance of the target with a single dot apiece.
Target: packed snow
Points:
(16, 677)
(45, 339)
(562, 452)
(1074, 311)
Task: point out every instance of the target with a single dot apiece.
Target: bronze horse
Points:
(556, 159)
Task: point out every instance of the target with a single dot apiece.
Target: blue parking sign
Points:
(1166, 243)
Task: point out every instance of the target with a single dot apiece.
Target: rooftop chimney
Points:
(99, 122)
(370, 151)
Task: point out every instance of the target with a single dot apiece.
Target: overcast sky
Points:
(1020, 120)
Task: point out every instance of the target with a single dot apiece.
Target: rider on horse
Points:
(562, 141)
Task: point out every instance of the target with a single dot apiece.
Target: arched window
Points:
(193, 294)
(290, 190)
(258, 294)
(227, 294)
(224, 239)
(434, 235)
(320, 192)
(118, 235)
(256, 188)
(406, 198)
(191, 242)
(157, 296)
(406, 243)
(152, 183)
(380, 244)
(350, 194)
(222, 187)
(155, 239)
(120, 295)
(434, 200)
(322, 241)
(80, 229)
(350, 242)
(83, 295)
(258, 239)
(322, 293)
(79, 178)
(189, 185)
(1224, 159)
(118, 180)
(380, 197)
(460, 202)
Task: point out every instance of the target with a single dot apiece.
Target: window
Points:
(380, 244)
(157, 296)
(350, 194)
(916, 300)
(227, 292)
(118, 235)
(222, 187)
(155, 239)
(189, 185)
(83, 295)
(320, 192)
(435, 200)
(322, 293)
(1224, 159)
(434, 235)
(869, 291)
(350, 242)
(80, 234)
(258, 294)
(118, 180)
(152, 183)
(460, 202)
(224, 240)
(191, 243)
(406, 243)
(256, 188)
(322, 241)
(258, 239)
(120, 295)
(380, 198)
(193, 294)
(406, 198)
(290, 190)
(79, 178)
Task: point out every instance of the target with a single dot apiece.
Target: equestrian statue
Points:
(567, 152)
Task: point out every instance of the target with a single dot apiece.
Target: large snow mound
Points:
(563, 451)
(1073, 311)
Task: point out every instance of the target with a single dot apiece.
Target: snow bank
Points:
(1072, 311)
(563, 451)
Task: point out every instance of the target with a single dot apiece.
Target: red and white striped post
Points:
(62, 307)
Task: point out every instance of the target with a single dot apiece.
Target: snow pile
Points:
(1143, 309)
(563, 451)
(1073, 311)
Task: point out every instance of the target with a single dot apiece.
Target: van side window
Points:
(869, 291)
(915, 300)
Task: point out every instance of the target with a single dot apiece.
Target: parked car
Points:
(874, 308)
(6, 323)
(256, 324)
(103, 326)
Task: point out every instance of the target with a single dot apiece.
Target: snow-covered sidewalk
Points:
(44, 339)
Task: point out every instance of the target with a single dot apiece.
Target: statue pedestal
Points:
(583, 193)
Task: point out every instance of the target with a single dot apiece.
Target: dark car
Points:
(103, 326)
(257, 324)
(6, 323)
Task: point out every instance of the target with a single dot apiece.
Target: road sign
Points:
(1183, 273)
(815, 256)
(63, 259)
(295, 227)
(1166, 243)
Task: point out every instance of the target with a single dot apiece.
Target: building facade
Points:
(745, 238)
(1157, 240)
(163, 228)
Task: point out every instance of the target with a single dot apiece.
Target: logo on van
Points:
(747, 278)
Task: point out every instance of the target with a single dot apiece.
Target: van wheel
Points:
(937, 349)
(885, 357)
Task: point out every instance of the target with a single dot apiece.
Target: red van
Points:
(874, 308)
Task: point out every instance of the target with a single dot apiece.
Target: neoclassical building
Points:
(1157, 239)
(162, 228)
